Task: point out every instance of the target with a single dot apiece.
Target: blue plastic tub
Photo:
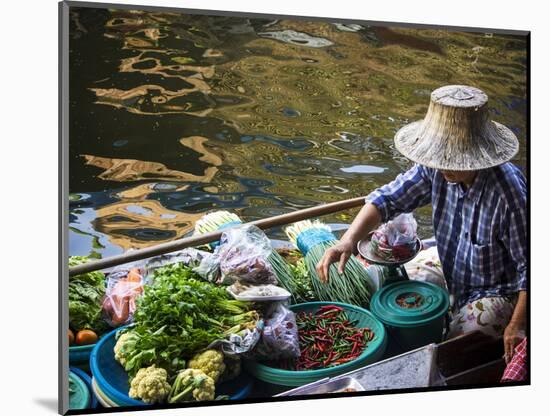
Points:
(112, 380)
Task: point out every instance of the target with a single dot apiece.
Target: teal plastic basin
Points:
(374, 351)
(80, 397)
(413, 312)
(79, 355)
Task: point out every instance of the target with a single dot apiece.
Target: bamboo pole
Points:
(198, 240)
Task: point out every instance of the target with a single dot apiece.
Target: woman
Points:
(479, 211)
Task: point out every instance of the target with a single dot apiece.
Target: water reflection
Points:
(173, 115)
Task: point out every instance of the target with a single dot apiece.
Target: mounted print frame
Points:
(262, 208)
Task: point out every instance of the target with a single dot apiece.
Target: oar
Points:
(198, 240)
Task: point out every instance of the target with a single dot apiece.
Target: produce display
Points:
(185, 331)
(176, 319)
(327, 339)
(86, 292)
(354, 286)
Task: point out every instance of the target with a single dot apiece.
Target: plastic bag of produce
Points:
(241, 342)
(399, 231)
(189, 256)
(209, 268)
(396, 239)
(243, 255)
(124, 285)
(280, 336)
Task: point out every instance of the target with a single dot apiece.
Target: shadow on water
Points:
(174, 115)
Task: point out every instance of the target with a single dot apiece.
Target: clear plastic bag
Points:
(240, 343)
(209, 268)
(124, 284)
(189, 256)
(243, 255)
(399, 231)
(396, 239)
(280, 335)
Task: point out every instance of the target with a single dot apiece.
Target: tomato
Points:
(86, 337)
(71, 337)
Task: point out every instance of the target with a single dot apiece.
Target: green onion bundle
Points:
(354, 286)
(219, 220)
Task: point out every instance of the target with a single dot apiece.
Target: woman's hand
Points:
(513, 334)
(340, 252)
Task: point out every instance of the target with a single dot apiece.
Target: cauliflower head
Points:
(192, 384)
(125, 345)
(210, 362)
(232, 368)
(150, 385)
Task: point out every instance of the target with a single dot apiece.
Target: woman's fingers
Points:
(343, 259)
(323, 265)
(510, 343)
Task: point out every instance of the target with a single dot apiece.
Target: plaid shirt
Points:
(481, 232)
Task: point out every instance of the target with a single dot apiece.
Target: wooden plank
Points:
(487, 373)
(194, 241)
(467, 351)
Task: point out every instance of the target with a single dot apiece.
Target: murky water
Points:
(174, 115)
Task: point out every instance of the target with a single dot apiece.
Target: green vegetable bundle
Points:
(179, 315)
(302, 281)
(86, 292)
(354, 286)
(219, 220)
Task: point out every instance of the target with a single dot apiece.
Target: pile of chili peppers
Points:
(327, 338)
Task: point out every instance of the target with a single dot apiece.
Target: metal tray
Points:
(283, 295)
(331, 386)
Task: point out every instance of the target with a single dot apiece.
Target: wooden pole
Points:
(198, 240)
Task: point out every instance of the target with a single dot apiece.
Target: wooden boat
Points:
(473, 358)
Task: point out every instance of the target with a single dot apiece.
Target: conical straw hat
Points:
(456, 133)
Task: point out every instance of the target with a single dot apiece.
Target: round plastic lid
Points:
(409, 303)
(80, 396)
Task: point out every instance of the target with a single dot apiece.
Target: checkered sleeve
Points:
(515, 235)
(410, 190)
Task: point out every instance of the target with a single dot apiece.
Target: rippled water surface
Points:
(174, 115)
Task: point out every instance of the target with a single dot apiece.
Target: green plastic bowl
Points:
(374, 351)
